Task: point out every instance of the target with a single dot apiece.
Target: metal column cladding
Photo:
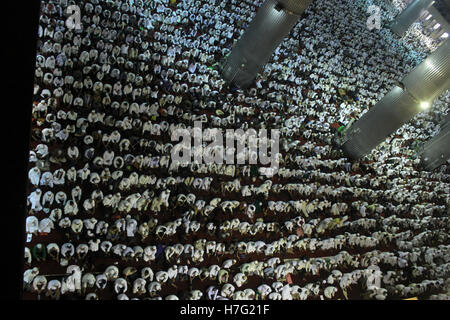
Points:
(271, 24)
(405, 19)
(437, 151)
(432, 77)
(425, 83)
(389, 114)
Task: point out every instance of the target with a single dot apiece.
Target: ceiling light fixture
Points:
(425, 105)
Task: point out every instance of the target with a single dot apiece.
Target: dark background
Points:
(443, 6)
(19, 48)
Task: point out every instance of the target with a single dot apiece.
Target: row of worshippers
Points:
(107, 100)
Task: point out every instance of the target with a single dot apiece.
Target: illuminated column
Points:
(405, 19)
(418, 90)
(253, 50)
(436, 151)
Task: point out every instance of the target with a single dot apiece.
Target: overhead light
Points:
(437, 25)
(428, 18)
(445, 35)
(425, 105)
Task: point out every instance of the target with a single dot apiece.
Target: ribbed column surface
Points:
(405, 19)
(426, 82)
(389, 114)
(431, 78)
(437, 151)
(270, 26)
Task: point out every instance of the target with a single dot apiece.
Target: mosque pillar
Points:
(405, 19)
(415, 93)
(436, 151)
(271, 24)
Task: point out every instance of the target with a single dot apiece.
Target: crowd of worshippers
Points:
(419, 33)
(111, 217)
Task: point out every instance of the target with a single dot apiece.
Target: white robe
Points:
(286, 293)
(46, 225)
(32, 224)
(73, 282)
(35, 200)
(34, 175)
